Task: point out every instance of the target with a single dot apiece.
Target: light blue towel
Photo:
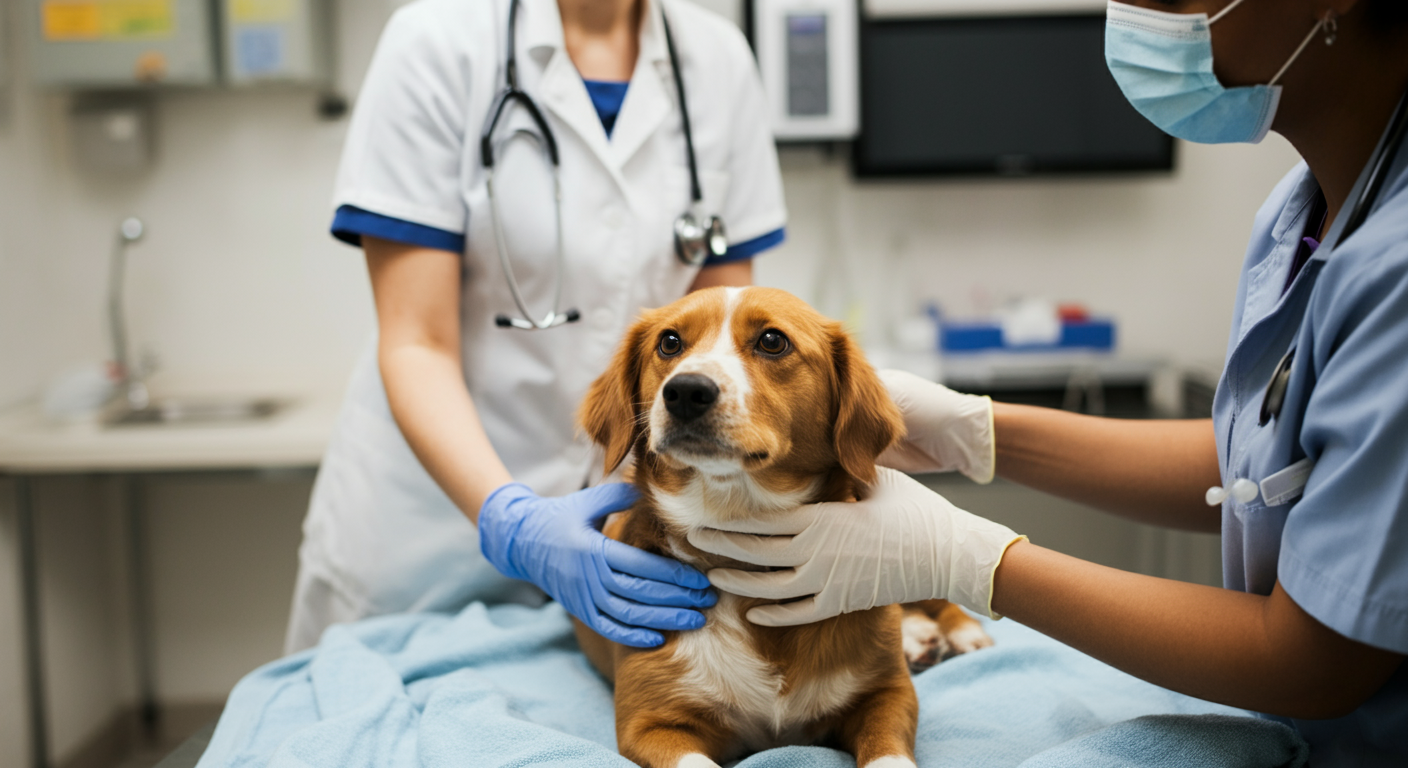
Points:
(506, 686)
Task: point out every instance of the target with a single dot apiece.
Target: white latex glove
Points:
(946, 430)
(901, 544)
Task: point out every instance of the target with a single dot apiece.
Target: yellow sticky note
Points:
(107, 19)
(71, 21)
(260, 11)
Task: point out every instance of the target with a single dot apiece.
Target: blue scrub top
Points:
(1340, 549)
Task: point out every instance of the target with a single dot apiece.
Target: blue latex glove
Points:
(621, 592)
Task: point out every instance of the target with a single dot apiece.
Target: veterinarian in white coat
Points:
(1303, 467)
(449, 414)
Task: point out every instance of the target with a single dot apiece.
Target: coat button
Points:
(1245, 491)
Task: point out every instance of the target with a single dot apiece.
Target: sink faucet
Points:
(131, 388)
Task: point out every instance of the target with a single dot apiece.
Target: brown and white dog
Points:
(737, 403)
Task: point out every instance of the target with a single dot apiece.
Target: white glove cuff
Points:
(980, 451)
(976, 554)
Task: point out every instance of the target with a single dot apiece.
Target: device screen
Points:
(997, 95)
(807, 87)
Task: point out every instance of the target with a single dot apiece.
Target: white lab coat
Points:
(380, 535)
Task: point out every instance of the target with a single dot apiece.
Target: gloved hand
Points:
(900, 544)
(621, 592)
(946, 430)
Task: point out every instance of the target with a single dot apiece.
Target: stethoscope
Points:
(1275, 395)
(696, 238)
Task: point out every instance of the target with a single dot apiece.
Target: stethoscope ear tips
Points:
(573, 315)
(503, 321)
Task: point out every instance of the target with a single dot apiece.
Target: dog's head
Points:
(750, 382)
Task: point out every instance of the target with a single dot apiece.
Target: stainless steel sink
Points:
(199, 411)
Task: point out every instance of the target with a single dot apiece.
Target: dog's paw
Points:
(924, 644)
(696, 760)
(968, 637)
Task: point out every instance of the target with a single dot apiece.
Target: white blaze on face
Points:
(721, 362)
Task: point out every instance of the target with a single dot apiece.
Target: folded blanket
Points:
(507, 686)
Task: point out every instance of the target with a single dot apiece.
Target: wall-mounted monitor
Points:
(1010, 95)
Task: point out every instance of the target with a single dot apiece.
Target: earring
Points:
(1332, 27)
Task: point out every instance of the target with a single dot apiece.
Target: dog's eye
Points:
(772, 342)
(670, 344)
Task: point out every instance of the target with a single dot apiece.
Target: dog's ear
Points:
(867, 420)
(611, 412)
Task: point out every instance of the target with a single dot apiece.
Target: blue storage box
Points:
(1097, 334)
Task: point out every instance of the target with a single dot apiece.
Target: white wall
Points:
(1160, 253)
(240, 285)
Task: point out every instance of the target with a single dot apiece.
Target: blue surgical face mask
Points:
(1163, 63)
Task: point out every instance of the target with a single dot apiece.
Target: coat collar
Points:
(560, 90)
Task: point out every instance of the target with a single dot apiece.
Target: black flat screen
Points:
(1009, 96)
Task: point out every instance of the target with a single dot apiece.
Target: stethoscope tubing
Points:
(553, 318)
(687, 228)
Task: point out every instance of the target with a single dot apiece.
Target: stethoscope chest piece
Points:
(695, 242)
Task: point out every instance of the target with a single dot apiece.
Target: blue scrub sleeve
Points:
(1344, 548)
(351, 222)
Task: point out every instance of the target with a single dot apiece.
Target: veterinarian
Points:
(601, 178)
(1303, 467)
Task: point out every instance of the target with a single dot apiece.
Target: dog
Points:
(738, 403)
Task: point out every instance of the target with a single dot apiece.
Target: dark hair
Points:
(1383, 14)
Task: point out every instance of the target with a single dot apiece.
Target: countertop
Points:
(296, 436)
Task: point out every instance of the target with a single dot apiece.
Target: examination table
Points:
(506, 685)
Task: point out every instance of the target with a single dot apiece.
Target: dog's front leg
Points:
(658, 728)
(880, 729)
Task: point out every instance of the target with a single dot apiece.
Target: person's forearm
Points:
(428, 398)
(733, 274)
(1250, 651)
(1153, 471)
(417, 294)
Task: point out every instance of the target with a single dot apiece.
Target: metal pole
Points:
(33, 632)
(140, 595)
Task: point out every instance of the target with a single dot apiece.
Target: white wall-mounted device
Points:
(808, 55)
(279, 41)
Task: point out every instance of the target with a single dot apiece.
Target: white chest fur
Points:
(725, 669)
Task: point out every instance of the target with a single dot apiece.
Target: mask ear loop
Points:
(1313, 30)
(1224, 11)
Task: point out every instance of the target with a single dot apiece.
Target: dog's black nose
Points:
(690, 395)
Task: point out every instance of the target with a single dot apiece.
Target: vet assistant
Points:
(452, 419)
(1305, 460)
